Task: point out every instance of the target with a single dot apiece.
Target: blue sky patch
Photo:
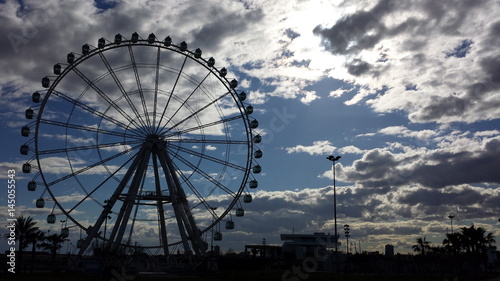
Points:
(461, 50)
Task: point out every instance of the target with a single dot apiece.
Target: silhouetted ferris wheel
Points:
(139, 140)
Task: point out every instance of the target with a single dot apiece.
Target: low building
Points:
(316, 248)
(304, 245)
(263, 251)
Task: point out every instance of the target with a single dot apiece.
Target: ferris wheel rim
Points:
(187, 55)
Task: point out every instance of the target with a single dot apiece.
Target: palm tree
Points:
(475, 240)
(24, 228)
(453, 242)
(489, 240)
(421, 246)
(34, 238)
(53, 244)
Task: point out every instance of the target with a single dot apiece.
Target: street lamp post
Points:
(333, 159)
(451, 221)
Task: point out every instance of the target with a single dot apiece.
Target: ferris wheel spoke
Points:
(210, 141)
(93, 165)
(189, 97)
(195, 113)
(89, 194)
(105, 97)
(87, 128)
(157, 80)
(139, 85)
(206, 176)
(171, 93)
(203, 126)
(210, 158)
(89, 109)
(86, 147)
(122, 90)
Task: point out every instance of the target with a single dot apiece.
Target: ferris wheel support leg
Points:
(161, 211)
(175, 205)
(121, 223)
(184, 217)
(92, 233)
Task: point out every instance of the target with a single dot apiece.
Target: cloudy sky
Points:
(407, 92)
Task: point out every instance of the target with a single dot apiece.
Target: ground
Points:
(240, 276)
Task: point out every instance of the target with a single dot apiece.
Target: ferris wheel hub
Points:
(153, 138)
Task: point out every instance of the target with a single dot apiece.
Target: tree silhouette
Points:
(422, 246)
(470, 240)
(34, 238)
(475, 240)
(453, 243)
(53, 244)
(24, 228)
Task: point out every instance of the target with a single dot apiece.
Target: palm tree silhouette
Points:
(421, 246)
(24, 228)
(453, 242)
(35, 238)
(53, 243)
(470, 240)
(475, 240)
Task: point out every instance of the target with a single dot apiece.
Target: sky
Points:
(407, 92)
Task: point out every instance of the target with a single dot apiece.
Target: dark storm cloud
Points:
(353, 33)
(473, 202)
(491, 66)
(471, 102)
(381, 230)
(439, 169)
(436, 198)
(358, 67)
(374, 168)
(465, 167)
(494, 35)
(448, 16)
(225, 24)
(364, 29)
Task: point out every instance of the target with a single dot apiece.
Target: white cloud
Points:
(317, 148)
(405, 132)
(210, 147)
(351, 149)
(487, 133)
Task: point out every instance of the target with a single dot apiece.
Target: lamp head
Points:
(332, 158)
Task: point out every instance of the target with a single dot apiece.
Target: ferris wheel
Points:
(142, 142)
